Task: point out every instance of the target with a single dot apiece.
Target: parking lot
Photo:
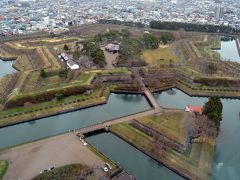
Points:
(26, 161)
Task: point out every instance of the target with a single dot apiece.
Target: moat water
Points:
(118, 105)
(229, 51)
(130, 159)
(227, 156)
(6, 68)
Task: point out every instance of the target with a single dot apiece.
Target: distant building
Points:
(195, 109)
(69, 61)
(219, 12)
(113, 48)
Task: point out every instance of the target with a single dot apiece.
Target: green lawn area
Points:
(46, 108)
(162, 55)
(37, 85)
(19, 114)
(112, 71)
(3, 168)
(206, 48)
(68, 172)
(171, 125)
(196, 164)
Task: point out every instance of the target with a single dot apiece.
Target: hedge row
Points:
(45, 96)
(48, 107)
(208, 89)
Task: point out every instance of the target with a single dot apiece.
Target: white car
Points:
(45, 170)
(105, 169)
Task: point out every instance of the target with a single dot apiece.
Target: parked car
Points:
(105, 169)
(108, 166)
(45, 170)
(50, 169)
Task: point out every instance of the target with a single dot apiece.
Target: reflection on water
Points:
(130, 159)
(118, 105)
(229, 50)
(171, 92)
(227, 155)
(130, 97)
(32, 123)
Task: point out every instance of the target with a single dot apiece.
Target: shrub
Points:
(43, 73)
(59, 96)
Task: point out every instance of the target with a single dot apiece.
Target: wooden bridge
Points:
(106, 124)
(152, 100)
(146, 91)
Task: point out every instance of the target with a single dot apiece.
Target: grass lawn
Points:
(68, 172)
(5, 54)
(37, 85)
(196, 164)
(71, 45)
(171, 125)
(22, 63)
(3, 168)
(19, 114)
(49, 107)
(162, 55)
(206, 47)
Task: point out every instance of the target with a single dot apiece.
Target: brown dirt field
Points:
(26, 161)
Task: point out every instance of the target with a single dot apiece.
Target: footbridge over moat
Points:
(104, 125)
(152, 100)
(146, 91)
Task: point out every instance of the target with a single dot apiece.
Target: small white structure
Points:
(72, 64)
(69, 61)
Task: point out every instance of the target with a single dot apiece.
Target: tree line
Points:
(124, 23)
(192, 27)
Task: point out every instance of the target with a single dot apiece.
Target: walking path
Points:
(110, 58)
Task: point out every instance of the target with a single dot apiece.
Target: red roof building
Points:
(196, 109)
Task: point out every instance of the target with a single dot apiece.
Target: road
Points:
(110, 57)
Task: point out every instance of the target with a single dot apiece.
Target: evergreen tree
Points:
(213, 110)
(43, 73)
(65, 47)
(150, 41)
(93, 50)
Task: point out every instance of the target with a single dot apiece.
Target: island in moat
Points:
(57, 74)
